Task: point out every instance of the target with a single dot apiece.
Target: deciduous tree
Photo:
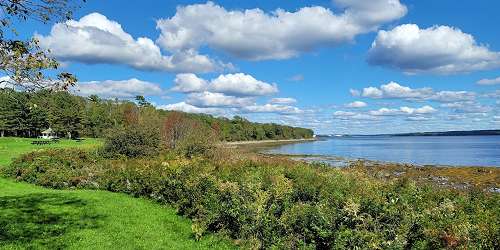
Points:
(23, 61)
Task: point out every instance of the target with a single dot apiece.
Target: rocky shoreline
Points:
(486, 178)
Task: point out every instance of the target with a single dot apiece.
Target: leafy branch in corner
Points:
(24, 63)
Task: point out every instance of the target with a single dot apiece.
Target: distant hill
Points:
(443, 133)
(453, 133)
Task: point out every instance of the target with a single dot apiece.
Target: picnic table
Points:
(40, 142)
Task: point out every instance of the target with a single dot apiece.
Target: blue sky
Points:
(341, 66)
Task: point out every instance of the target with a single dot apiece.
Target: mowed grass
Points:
(11, 147)
(33, 217)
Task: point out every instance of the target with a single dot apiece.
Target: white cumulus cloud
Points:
(347, 115)
(118, 89)
(403, 111)
(238, 84)
(356, 104)
(283, 100)
(188, 108)
(241, 84)
(470, 107)
(418, 118)
(385, 112)
(210, 99)
(256, 35)
(437, 49)
(354, 92)
(189, 82)
(453, 96)
(272, 108)
(372, 92)
(494, 81)
(343, 113)
(422, 110)
(95, 39)
(393, 90)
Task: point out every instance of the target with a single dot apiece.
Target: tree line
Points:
(27, 114)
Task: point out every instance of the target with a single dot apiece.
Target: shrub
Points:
(57, 168)
(281, 205)
(186, 136)
(200, 141)
(133, 141)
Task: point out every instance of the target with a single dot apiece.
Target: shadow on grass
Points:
(43, 220)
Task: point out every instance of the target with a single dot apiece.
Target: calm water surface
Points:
(440, 150)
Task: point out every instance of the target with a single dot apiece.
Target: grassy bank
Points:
(33, 217)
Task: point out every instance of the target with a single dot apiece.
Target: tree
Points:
(36, 119)
(186, 135)
(141, 101)
(130, 114)
(27, 113)
(133, 141)
(94, 99)
(10, 112)
(66, 114)
(175, 127)
(24, 62)
(96, 117)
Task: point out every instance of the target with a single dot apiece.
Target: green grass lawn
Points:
(11, 147)
(33, 217)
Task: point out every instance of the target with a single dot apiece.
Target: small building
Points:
(48, 134)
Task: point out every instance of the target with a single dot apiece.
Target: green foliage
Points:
(66, 114)
(141, 101)
(188, 137)
(240, 129)
(23, 61)
(198, 142)
(56, 169)
(274, 204)
(133, 141)
(28, 113)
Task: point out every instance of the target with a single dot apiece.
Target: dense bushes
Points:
(284, 205)
(186, 136)
(133, 141)
(57, 168)
(144, 138)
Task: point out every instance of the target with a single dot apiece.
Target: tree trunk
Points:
(69, 135)
(2, 133)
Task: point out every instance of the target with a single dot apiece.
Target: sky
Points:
(335, 66)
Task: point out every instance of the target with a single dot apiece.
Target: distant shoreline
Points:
(452, 133)
(236, 143)
(442, 133)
